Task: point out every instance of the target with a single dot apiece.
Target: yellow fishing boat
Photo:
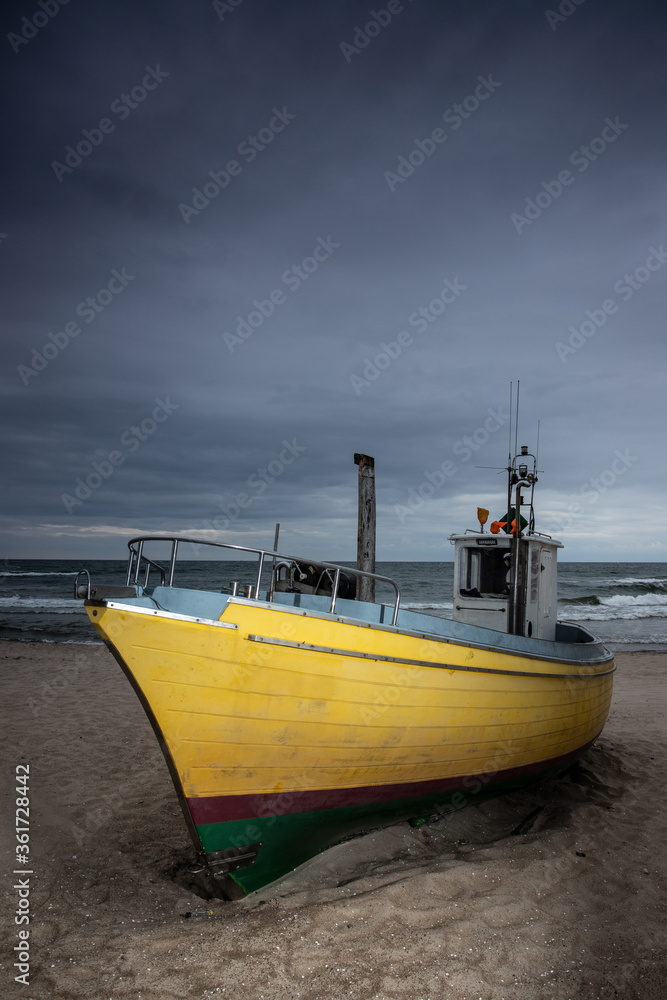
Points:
(292, 715)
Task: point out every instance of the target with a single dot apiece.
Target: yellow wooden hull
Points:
(280, 724)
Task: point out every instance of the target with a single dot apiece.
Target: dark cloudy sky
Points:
(472, 193)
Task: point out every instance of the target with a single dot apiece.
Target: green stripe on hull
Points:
(292, 838)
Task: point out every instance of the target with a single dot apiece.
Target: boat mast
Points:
(516, 605)
(509, 459)
(518, 477)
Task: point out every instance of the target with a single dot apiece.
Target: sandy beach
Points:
(485, 904)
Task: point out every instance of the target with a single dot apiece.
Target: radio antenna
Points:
(509, 446)
(516, 418)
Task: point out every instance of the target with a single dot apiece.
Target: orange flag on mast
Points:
(482, 516)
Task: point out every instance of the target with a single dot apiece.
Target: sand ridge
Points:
(568, 905)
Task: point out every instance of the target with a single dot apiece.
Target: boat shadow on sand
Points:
(576, 805)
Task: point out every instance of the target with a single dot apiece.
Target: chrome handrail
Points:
(334, 591)
(82, 572)
(137, 554)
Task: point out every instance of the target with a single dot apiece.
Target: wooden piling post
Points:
(366, 527)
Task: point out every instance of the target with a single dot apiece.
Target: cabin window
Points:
(484, 573)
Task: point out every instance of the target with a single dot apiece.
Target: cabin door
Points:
(546, 599)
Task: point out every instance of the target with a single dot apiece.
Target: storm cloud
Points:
(242, 241)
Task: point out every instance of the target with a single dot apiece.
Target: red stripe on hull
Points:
(227, 808)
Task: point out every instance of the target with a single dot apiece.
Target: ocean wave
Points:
(31, 573)
(624, 600)
(619, 606)
(427, 605)
(34, 637)
(655, 584)
(589, 599)
(33, 605)
(647, 640)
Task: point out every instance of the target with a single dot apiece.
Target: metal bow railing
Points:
(140, 565)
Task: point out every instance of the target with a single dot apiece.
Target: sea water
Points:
(624, 604)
